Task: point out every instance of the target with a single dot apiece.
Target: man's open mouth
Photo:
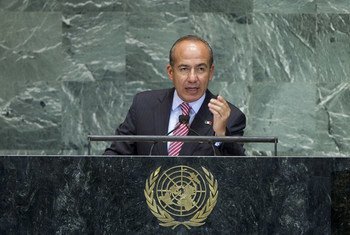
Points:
(192, 89)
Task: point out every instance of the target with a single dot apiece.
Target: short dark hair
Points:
(190, 38)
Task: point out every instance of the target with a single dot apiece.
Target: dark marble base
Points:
(80, 194)
(341, 202)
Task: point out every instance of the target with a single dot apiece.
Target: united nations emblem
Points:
(181, 196)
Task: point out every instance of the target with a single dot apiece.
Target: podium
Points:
(108, 194)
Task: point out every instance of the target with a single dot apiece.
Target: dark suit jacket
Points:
(149, 115)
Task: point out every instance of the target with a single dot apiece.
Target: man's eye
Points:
(183, 69)
(201, 69)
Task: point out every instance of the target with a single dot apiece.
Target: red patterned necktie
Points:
(181, 130)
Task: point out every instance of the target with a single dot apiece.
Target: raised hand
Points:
(221, 111)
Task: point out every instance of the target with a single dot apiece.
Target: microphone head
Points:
(184, 119)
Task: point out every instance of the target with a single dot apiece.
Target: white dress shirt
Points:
(176, 111)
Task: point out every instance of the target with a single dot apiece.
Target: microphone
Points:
(183, 119)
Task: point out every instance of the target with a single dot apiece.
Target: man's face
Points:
(191, 71)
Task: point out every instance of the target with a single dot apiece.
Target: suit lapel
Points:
(201, 124)
(161, 118)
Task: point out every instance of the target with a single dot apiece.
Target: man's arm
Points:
(126, 128)
(228, 121)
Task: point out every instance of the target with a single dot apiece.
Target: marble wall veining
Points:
(70, 68)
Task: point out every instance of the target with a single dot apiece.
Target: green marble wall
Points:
(70, 68)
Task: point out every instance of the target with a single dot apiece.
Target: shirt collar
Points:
(195, 105)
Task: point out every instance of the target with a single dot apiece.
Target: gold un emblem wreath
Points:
(181, 195)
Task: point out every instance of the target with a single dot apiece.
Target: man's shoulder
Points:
(151, 94)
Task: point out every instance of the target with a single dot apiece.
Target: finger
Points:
(214, 112)
(220, 101)
(219, 97)
(216, 102)
(213, 102)
(220, 106)
(217, 108)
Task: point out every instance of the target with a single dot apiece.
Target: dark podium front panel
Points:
(182, 195)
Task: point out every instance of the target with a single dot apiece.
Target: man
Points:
(157, 112)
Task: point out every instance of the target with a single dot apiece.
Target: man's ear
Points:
(170, 71)
(211, 72)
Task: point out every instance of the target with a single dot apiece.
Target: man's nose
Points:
(192, 77)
